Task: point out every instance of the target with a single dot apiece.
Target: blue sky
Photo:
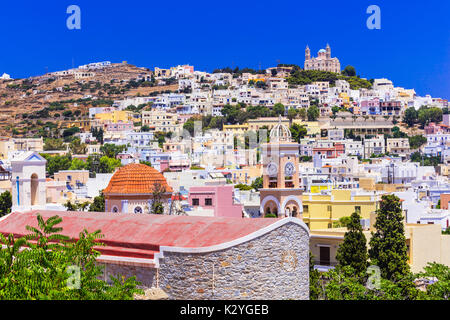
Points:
(412, 48)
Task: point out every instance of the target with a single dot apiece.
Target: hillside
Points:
(26, 104)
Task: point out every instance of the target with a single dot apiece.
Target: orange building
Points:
(133, 187)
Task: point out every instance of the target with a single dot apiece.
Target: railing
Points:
(326, 263)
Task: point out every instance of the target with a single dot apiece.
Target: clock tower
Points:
(281, 192)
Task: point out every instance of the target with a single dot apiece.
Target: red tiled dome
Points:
(135, 179)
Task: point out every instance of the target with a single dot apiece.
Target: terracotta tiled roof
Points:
(135, 179)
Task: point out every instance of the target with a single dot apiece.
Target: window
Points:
(208, 202)
(329, 208)
(195, 202)
(358, 209)
(305, 209)
(138, 210)
(115, 209)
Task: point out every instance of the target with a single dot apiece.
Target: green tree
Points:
(313, 113)
(410, 116)
(111, 150)
(257, 183)
(54, 144)
(292, 114)
(77, 147)
(278, 109)
(353, 250)
(99, 203)
(5, 203)
(77, 164)
(298, 132)
(302, 113)
(440, 289)
(388, 248)
(57, 163)
(158, 192)
(36, 266)
(349, 71)
(417, 141)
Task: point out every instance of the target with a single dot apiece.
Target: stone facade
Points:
(272, 266)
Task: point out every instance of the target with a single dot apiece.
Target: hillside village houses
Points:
(344, 162)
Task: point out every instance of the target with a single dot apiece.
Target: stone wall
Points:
(146, 276)
(274, 266)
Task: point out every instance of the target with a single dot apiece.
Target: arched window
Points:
(138, 210)
(115, 209)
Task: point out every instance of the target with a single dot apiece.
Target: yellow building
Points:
(115, 116)
(345, 99)
(6, 145)
(425, 243)
(83, 124)
(321, 210)
(312, 127)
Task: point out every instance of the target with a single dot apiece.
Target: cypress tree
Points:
(353, 251)
(388, 244)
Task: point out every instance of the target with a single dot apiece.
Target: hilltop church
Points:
(323, 61)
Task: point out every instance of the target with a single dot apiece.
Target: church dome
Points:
(136, 179)
(280, 133)
(322, 50)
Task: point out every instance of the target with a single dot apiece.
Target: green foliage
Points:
(416, 142)
(57, 163)
(77, 147)
(270, 215)
(257, 183)
(111, 150)
(5, 203)
(99, 203)
(342, 222)
(388, 248)
(157, 204)
(440, 289)
(41, 270)
(349, 71)
(313, 113)
(298, 132)
(54, 144)
(410, 116)
(278, 109)
(303, 77)
(425, 160)
(353, 251)
(397, 133)
(243, 187)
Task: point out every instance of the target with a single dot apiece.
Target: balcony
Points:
(324, 265)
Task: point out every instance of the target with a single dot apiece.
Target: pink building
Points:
(218, 198)
(432, 128)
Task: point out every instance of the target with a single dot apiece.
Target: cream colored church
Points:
(323, 61)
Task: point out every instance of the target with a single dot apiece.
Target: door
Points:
(324, 256)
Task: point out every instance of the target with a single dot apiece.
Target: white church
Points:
(28, 181)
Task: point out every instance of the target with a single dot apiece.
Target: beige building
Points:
(160, 121)
(425, 243)
(72, 177)
(398, 146)
(323, 61)
(28, 144)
